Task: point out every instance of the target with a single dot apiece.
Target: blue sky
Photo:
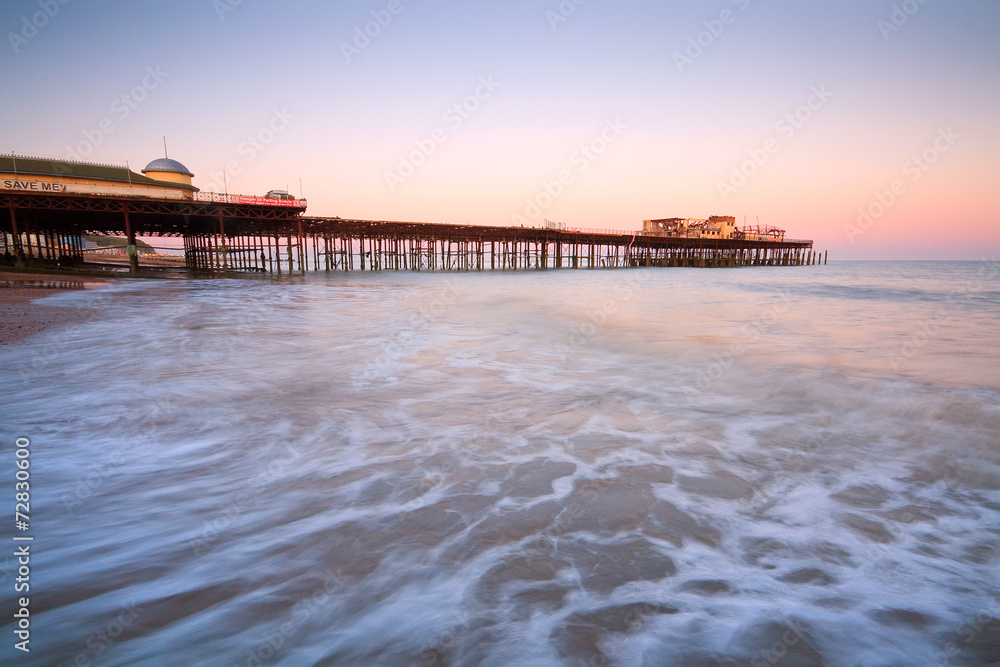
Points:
(359, 131)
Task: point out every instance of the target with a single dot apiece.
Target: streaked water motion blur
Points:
(768, 466)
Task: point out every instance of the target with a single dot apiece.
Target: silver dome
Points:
(167, 165)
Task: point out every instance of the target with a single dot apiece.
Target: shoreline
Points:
(21, 318)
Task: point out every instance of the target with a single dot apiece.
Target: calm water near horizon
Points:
(679, 467)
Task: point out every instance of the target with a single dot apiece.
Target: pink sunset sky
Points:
(868, 126)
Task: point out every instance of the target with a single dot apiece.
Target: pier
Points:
(228, 233)
(54, 204)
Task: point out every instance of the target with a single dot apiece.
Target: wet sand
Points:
(20, 314)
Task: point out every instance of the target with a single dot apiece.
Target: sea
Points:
(661, 466)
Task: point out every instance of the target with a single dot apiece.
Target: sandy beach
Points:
(20, 314)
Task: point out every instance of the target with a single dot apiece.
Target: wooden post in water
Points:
(27, 238)
(132, 251)
(18, 250)
(302, 250)
(224, 247)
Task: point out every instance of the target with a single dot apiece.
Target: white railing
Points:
(248, 200)
(608, 232)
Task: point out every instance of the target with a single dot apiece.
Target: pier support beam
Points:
(18, 251)
(224, 247)
(302, 251)
(131, 249)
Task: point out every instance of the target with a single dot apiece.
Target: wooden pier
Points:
(335, 244)
(224, 236)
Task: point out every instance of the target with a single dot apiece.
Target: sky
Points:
(869, 126)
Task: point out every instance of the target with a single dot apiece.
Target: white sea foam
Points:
(356, 470)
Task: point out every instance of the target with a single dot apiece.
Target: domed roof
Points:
(167, 165)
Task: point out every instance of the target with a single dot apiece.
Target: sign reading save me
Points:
(36, 186)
